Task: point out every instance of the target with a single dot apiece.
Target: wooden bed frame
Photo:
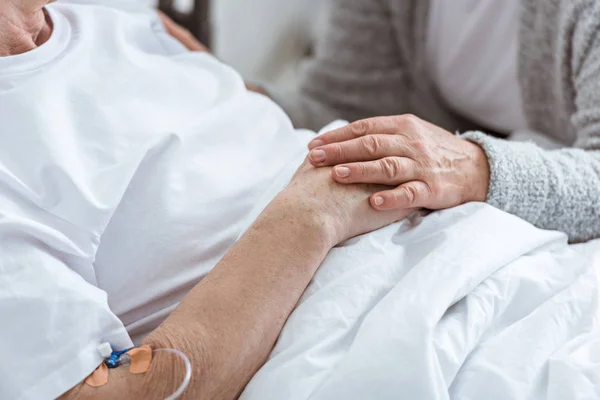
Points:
(197, 21)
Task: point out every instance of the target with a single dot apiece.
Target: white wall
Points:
(265, 40)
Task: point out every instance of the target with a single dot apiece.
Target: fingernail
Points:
(342, 172)
(378, 200)
(317, 156)
(315, 143)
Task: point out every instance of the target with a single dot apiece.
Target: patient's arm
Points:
(229, 323)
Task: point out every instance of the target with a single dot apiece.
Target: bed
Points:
(466, 303)
(444, 308)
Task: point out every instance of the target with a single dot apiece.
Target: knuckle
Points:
(360, 128)
(411, 193)
(434, 181)
(435, 189)
(419, 146)
(427, 191)
(413, 128)
(410, 120)
(390, 167)
(372, 145)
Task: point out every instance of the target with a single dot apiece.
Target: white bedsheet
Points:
(468, 303)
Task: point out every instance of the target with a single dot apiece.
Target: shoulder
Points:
(579, 34)
(570, 29)
(560, 13)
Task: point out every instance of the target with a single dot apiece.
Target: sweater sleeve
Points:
(557, 189)
(356, 72)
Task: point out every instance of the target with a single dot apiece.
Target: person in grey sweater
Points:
(467, 67)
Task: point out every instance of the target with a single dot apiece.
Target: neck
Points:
(24, 25)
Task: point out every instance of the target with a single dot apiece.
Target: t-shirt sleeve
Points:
(52, 318)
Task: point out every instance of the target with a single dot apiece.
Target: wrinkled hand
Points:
(184, 36)
(342, 210)
(428, 166)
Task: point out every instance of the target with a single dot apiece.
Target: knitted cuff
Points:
(519, 182)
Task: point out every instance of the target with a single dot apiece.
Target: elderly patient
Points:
(128, 170)
(128, 167)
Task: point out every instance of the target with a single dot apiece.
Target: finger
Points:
(366, 148)
(415, 194)
(168, 23)
(164, 17)
(391, 171)
(184, 36)
(371, 126)
(379, 125)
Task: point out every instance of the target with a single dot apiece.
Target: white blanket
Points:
(468, 303)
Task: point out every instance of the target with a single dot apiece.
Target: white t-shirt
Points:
(472, 53)
(127, 169)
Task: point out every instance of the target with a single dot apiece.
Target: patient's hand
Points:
(343, 211)
(184, 36)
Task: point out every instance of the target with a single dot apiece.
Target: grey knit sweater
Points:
(372, 62)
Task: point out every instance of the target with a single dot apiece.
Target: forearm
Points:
(557, 190)
(229, 323)
(242, 305)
